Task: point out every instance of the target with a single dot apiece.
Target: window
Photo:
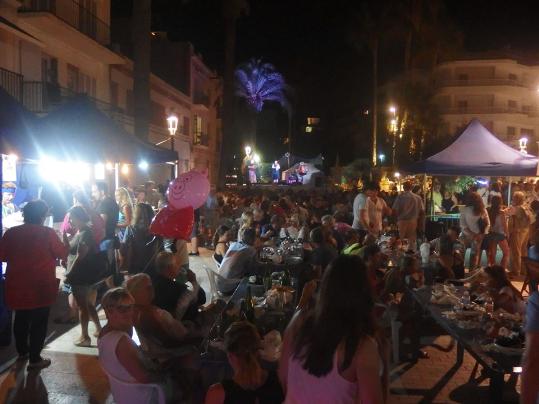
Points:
(311, 121)
(511, 131)
(527, 132)
(80, 83)
(185, 126)
(114, 96)
(129, 105)
(72, 78)
(197, 130)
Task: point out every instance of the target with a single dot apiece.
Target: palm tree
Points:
(369, 31)
(232, 10)
(258, 83)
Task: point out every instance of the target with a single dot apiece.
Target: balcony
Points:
(484, 110)
(73, 14)
(42, 97)
(12, 83)
(201, 139)
(201, 99)
(479, 82)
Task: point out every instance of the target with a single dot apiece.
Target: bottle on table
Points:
(466, 298)
(249, 307)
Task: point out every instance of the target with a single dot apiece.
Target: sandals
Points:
(83, 342)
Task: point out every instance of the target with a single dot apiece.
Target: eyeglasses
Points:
(124, 308)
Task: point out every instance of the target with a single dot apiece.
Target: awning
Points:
(477, 152)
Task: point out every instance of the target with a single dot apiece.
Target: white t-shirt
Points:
(359, 203)
(375, 210)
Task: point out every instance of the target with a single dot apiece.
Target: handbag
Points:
(93, 268)
(482, 224)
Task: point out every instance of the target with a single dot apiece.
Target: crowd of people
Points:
(363, 251)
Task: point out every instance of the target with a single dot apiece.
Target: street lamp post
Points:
(393, 128)
(172, 123)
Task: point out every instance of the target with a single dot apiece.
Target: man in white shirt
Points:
(375, 209)
(359, 206)
(238, 262)
(410, 212)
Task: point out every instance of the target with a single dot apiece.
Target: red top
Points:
(31, 251)
(98, 227)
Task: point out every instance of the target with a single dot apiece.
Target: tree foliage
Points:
(258, 82)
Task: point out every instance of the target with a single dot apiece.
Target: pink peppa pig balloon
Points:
(189, 189)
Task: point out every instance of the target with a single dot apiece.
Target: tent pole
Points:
(116, 175)
(509, 192)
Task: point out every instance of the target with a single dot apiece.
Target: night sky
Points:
(312, 43)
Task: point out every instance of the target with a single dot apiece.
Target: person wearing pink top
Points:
(329, 353)
(97, 222)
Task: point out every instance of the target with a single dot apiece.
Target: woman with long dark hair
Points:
(475, 223)
(504, 294)
(498, 232)
(330, 354)
(221, 240)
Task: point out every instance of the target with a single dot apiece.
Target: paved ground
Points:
(76, 377)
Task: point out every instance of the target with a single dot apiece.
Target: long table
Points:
(496, 364)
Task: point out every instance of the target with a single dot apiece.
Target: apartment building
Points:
(51, 50)
(501, 92)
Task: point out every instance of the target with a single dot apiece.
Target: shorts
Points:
(497, 237)
(82, 289)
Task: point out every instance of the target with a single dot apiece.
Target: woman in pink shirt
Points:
(330, 354)
(31, 251)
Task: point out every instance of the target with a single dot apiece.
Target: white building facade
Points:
(53, 49)
(501, 93)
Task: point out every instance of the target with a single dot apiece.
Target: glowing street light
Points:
(397, 175)
(248, 150)
(125, 169)
(256, 158)
(523, 143)
(382, 157)
(172, 123)
(393, 110)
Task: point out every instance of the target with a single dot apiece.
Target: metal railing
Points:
(202, 99)
(483, 110)
(201, 139)
(73, 14)
(479, 82)
(11, 82)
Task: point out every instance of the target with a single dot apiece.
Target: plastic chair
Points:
(212, 277)
(135, 393)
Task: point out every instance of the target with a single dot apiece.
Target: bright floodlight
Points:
(143, 165)
(382, 157)
(248, 150)
(257, 158)
(172, 122)
(99, 171)
(125, 169)
(397, 175)
(13, 157)
(392, 109)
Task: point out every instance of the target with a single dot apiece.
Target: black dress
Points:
(269, 393)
